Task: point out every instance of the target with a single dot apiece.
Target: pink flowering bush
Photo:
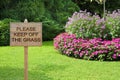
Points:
(90, 49)
(91, 37)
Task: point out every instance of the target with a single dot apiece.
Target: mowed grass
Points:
(46, 63)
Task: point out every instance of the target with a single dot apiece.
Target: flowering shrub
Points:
(85, 25)
(90, 49)
(113, 21)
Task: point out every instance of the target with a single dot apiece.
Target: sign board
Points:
(25, 34)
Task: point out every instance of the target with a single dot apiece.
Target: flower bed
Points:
(90, 49)
(91, 37)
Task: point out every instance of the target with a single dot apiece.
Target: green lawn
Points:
(45, 63)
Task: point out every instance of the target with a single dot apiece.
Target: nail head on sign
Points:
(25, 21)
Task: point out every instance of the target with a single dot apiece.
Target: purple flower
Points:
(103, 27)
(100, 21)
(65, 46)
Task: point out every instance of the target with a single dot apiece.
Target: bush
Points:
(90, 49)
(50, 29)
(53, 14)
(85, 25)
(113, 22)
(5, 31)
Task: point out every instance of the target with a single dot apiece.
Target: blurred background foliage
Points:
(52, 13)
(94, 7)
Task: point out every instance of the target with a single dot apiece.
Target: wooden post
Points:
(25, 62)
(25, 59)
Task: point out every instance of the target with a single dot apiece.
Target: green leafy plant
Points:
(85, 25)
(5, 31)
(113, 22)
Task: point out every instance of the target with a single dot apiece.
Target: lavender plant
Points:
(113, 22)
(85, 25)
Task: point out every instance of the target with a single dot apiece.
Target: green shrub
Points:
(113, 22)
(53, 14)
(5, 31)
(84, 25)
(50, 29)
(30, 9)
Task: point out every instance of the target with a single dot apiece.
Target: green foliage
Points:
(94, 7)
(4, 31)
(83, 25)
(86, 26)
(30, 10)
(98, 1)
(113, 22)
(51, 29)
(53, 14)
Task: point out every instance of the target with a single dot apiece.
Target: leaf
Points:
(101, 1)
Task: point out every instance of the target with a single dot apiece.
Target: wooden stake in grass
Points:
(25, 59)
(25, 62)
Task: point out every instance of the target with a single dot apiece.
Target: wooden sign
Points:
(25, 34)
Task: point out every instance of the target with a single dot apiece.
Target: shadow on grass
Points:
(51, 67)
(38, 72)
(45, 69)
(8, 73)
(47, 43)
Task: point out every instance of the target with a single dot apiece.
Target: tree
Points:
(52, 13)
(102, 2)
(93, 7)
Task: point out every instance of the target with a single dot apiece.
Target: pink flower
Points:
(103, 27)
(69, 44)
(65, 46)
(76, 52)
(114, 56)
